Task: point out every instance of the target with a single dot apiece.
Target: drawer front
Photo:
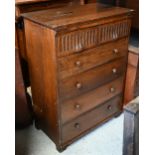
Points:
(77, 63)
(91, 119)
(86, 81)
(82, 39)
(79, 105)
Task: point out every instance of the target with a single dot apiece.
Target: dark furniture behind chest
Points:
(132, 4)
(131, 128)
(77, 58)
(22, 99)
(132, 76)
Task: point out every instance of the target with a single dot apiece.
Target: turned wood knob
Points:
(109, 107)
(78, 85)
(77, 125)
(114, 70)
(115, 51)
(78, 63)
(112, 89)
(77, 106)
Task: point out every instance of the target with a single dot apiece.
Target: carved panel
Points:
(86, 38)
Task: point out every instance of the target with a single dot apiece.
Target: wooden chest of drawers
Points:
(77, 58)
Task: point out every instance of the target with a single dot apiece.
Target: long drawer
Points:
(77, 63)
(91, 119)
(79, 105)
(86, 81)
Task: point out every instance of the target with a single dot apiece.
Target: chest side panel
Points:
(41, 58)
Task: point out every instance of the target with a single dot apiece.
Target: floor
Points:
(105, 140)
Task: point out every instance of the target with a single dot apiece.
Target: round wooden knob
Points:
(115, 51)
(78, 63)
(77, 125)
(112, 89)
(77, 106)
(114, 70)
(78, 85)
(109, 107)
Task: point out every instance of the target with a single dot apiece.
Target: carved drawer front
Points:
(77, 63)
(86, 38)
(86, 81)
(79, 105)
(90, 119)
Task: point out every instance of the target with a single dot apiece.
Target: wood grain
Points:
(68, 88)
(90, 119)
(56, 84)
(80, 62)
(90, 100)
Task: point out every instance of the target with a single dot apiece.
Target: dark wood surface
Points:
(34, 5)
(132, 76)
(88, 80)
(48, 41)
(134, 4)
(80, 105)
(59, 18)
(23, 109)
(98, 114)
(131, 128)
(74, 64)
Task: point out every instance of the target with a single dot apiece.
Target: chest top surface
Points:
(73, 14)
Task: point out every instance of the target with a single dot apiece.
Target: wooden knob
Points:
(78, 63)
(114, 70)
(77, 125)
(109, 107)
(78, 85)
(115, 51)
(77, 106)
(112, 89)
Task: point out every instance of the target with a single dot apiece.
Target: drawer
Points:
(82, 39)
(79, 105)
(86, 122)
(77, 63)
(86, 81)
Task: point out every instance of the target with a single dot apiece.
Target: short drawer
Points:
(86, 102)
(86, 81)
(77, 63)
(86, 122)
(77, 41)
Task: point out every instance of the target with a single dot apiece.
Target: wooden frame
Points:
(131, 128)
(132, 75)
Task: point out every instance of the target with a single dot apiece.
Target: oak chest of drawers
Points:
(77, 59)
